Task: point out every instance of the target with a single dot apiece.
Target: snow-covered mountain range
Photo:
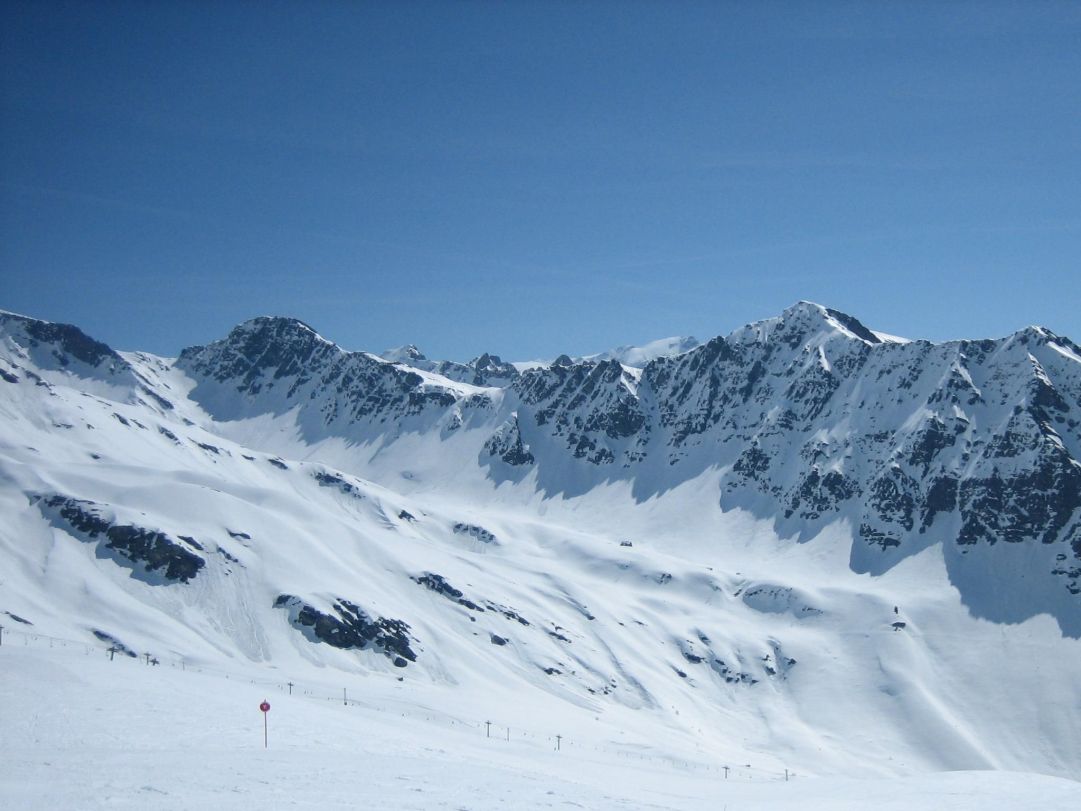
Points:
(833, 548)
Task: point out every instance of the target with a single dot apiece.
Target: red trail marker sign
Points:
(265, 707)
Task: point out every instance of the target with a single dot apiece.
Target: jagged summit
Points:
(492, 370)
(276, 345)
(803, 322)
(484, 370)
(1041, 336)
(274, 329)
(408, 354)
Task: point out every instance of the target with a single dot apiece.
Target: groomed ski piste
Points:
(430, 638)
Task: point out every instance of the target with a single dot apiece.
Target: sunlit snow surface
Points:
(81, 732)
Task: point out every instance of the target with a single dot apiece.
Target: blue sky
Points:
(530, 179)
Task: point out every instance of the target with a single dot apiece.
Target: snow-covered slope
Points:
(810, 419)
(799, 543)
(83, 732)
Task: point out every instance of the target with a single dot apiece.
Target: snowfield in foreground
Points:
(81, 732)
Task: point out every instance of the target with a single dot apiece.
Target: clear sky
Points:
(529, 179)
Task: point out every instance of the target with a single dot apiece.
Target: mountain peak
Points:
(275, 325)
(272, 334)
(286, 345)
(804, 306)
(65, 343)
(801, 322)
(1041, 335)
(817, 314)
(409, 353)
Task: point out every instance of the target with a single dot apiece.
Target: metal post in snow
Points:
(488, 729)
(1, 635)
(725, 772)
(345, 697)
(265, 707)
(558, 739)
(290, 688)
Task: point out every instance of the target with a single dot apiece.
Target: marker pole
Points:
(265, 707)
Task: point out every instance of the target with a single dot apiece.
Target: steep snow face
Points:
(800, 538)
